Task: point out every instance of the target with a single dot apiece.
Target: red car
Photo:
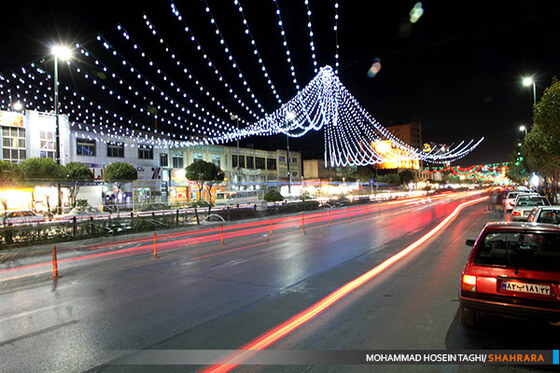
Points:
(513, 270)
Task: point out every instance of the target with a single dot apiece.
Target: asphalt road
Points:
(202, 295)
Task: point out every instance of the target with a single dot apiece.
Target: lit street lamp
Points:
(289, 117)
(523, 129)
(529, 81)
(63, 53)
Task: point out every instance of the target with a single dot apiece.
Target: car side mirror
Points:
(470, 243)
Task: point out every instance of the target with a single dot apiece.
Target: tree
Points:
(204, 173)
(542, 143)
(273, 195)
(9, 174)
(120, 173)
(77, 173)
(388, 179)
(41, 171)
(518, 170)
(406, 176)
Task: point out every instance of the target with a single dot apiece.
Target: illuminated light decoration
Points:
(256, 52)
(337, 47)
(209, 62)
(166, 97)
(275, 334)
(285, 44)
(311, 42)
(187, 72)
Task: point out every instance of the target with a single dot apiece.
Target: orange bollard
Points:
(155, 246)
(302, 221)
(271, 226)
(54, 263)
(330, 219)
(222, 230)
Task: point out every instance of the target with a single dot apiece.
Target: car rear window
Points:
(532, 251)
(532, 201)
(549, 216)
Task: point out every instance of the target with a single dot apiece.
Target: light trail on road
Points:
(275, 334)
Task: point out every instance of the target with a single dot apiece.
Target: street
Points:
(202, 295)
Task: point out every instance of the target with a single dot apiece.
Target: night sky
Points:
(457, 70)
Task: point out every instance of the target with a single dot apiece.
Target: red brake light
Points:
(468, 283)
(517, 213)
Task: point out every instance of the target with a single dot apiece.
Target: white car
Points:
(509, 202)
(525, 204)
(545, 214)
(83, 214)
(21, 217)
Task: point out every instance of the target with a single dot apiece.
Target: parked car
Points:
(82, 213)
(545, 214)
(513, 270)
(509, 202)
(525, 203)
(20, 217)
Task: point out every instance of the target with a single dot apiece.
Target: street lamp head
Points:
(62, 52)
(522, 128)
(290, 115)
(528, 81)
(233, 116)
(18, 106)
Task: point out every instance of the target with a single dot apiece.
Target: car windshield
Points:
(521, 250)
(532, 201)
(549, 216)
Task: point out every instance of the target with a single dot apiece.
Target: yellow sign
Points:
(10, 119)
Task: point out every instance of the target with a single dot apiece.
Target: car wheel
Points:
(467, 317)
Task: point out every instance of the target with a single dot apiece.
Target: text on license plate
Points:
(526, 288)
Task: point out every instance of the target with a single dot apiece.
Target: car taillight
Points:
(516, 213)
(468, 283)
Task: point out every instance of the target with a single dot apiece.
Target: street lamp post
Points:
(289, 117)
(529, 81)
(236, 118)
(63, 53)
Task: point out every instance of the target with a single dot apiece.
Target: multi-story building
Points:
(410, 133)
(161, 170)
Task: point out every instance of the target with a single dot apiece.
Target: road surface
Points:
(202, 295)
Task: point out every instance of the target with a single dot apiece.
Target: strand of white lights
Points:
(170, 100)
(191, 77)
(176, 121)
(70, 106)
(256, 52)
(285, 44)
(22, 91)
(234, 65)
(174, 86)
(336, 54)
(311, 42)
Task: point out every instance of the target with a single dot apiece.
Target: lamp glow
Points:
(61, 51)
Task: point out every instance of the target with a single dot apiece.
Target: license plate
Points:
(522, 287)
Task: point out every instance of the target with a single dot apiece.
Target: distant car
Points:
(525, 203)
(83, 213)
(545, 214)
(21, 217)
(513, 270)
(509, 202)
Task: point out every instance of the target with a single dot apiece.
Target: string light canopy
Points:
(140, 88)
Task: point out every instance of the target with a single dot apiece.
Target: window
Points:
(115, 150)
(259, 163)
(271, 164)
(281, 158)
(217, 160)
(197, 157)
(85, 147)
(146, 153)
(47, 145)
(163, 160)
(294, 160)
(177, 158)
(13, 144)
(250, 162)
